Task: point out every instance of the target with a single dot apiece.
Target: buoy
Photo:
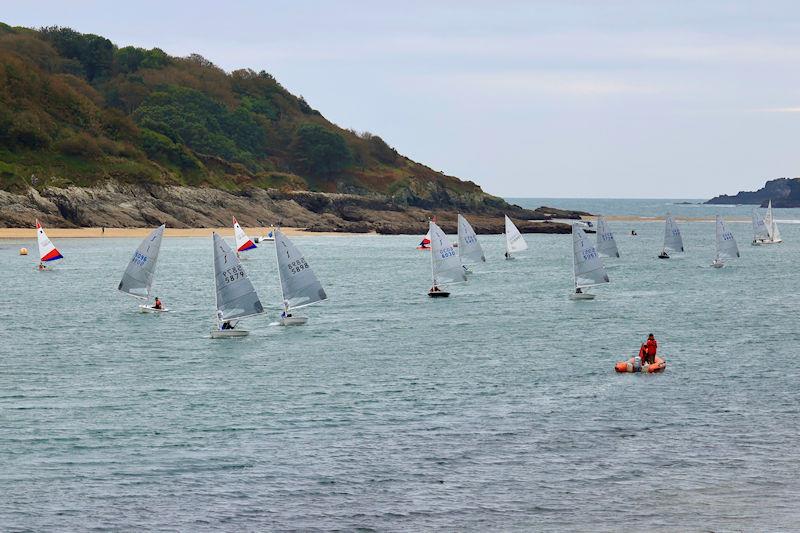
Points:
(23, 251)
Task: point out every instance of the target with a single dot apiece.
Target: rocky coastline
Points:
(131, 206)
(783, 192)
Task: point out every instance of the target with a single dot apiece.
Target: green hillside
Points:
(76, 109)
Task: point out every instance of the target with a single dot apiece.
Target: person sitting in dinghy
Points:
(157, 304)
(224, 324)
(286, 313)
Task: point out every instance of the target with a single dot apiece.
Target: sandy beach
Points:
(93, 233)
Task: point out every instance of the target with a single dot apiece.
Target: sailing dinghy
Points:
(469, 249)
(760, 233)
(514, 240)
(445, 264)
(673, 242)
(606, 244)
(235, 295)
(243, 242)
(47, 252)
(587, 267)
(726, 245)
(772, 227)
(141, 271)
(299, 285)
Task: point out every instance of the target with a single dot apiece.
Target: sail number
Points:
(139, 259)
(589, 254)
(447, 252)
(234, 273)
(470, 239)
(606, 237)
(297, 265)
(727, 236)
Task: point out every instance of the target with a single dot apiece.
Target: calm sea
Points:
(497, 408)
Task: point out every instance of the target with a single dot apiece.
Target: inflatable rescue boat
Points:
(632, 365)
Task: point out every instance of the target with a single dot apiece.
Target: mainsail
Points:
(138, 277)
(299, 285)
(672, 236)
(47, 252)
(772, 226)
(514, 240)
(586, 262)
(606, 245)
(243, 242)
(726, 244)
(760, 232)
(236, 297)
(469, 249)
(445, 264)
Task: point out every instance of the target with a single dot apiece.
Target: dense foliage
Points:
(77, 109)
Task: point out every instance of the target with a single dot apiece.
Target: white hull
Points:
(581, 296)
(293, 321)
(150, 309)
(228, 333)
(717, 264)
(759, 242)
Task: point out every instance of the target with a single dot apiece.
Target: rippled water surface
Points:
(497, 408)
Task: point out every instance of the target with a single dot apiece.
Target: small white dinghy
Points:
(469, 249)
(726, 245)
(137, 280)
(673, 242)
(606, 244)
(47, 252)
(760, 233)
(243, 242)
(587, 267)
(235, 295)
(514, 240)
(299, 285)
(269, 237)
(773, 233)
(445, 264)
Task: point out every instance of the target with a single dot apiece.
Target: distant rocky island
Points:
(94, 134)
(783, 192)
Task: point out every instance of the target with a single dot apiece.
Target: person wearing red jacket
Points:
(648, 350)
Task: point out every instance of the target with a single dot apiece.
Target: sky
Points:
(538, 98)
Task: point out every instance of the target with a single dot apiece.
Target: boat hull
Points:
(150, 309)
(438, 294)
(717, 264)
(293, 320)
(581, 296)
(229, 333)
(627, 367)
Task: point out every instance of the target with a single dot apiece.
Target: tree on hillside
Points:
(318, 151)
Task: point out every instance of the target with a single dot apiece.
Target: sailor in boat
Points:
(286, 313)
(578, 290)
(435, 288)
(225, 324)
(648, 350)
(506, 254)
(633, 233)
(41, 266)
(157, 304)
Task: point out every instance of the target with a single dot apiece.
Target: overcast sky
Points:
(533, 98)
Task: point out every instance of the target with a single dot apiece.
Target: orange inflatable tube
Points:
(627, 366)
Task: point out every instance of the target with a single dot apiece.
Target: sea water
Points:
(497, 408)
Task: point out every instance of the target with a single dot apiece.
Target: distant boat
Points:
(673, 242)
(587, 267)
(236, 297)
(514, 240)
(726, 245)
(269, 237)
(606, 244)
(446, 266)
(469, 249)
(765, 231)
(243, 242)
(141, 271)
(299, 285)
(47, 252)
(425, 243)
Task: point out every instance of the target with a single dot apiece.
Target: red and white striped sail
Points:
(425, 243)
(47, 252)
(243, 242)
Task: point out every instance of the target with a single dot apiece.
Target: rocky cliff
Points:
(784, 192)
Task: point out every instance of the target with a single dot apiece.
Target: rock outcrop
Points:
(122, 205)
(784, 192)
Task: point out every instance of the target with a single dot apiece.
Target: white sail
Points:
(673, 241)
(760, 232)
(586, 262)
(236, 296)
(243, 242)
(469, 249)
(514, 240)
(445, 264)
(47, 252)
(299, 285)
(726, 243)
(606, 244)
(772, 226)
(138, 277)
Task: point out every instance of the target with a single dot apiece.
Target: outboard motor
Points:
(637, 364)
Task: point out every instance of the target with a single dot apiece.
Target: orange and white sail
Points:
(47, 252)
(243, 242)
